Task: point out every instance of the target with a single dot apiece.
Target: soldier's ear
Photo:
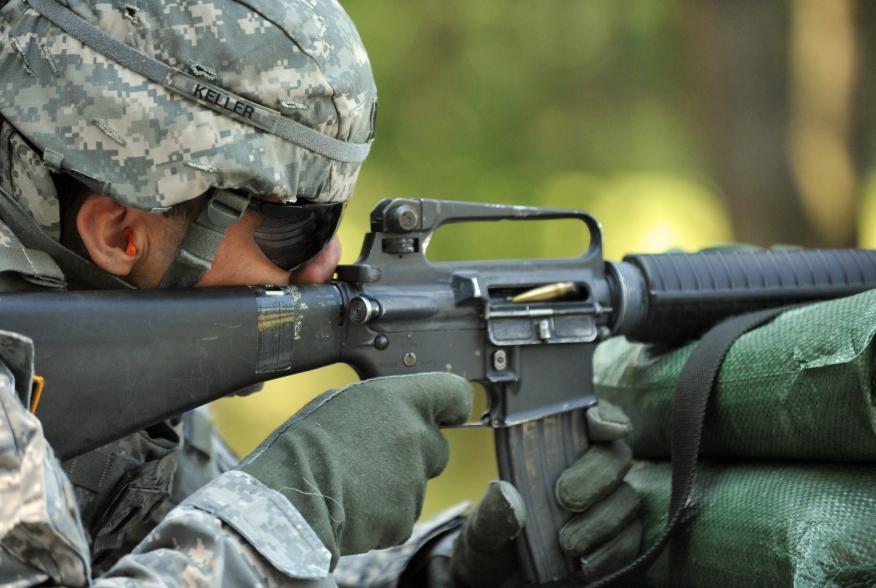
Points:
(114, 238)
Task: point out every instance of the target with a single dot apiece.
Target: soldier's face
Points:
(140, 246)
(240, 262)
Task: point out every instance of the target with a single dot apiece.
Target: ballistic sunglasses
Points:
(292, 234)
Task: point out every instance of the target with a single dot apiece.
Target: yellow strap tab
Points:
(39, 383)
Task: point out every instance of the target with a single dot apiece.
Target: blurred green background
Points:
(678, 123)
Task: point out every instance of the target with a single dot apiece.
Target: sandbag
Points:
(799, 387)
(764, 524)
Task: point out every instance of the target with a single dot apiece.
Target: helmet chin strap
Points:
(195, 254)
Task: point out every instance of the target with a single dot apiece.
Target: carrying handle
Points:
(425, 216)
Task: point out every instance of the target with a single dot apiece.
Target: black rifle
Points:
(117, 361)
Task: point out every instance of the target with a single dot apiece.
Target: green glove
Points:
(354, 462)
(604, 532)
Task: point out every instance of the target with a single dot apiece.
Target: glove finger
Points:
(601, 522)
(444, 398)
(436, 453)
(613, 555)
(498, 519)
(594, 475)
(453, 404)
(483, 555)
(607, 422)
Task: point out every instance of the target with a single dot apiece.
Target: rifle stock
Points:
(117, 361)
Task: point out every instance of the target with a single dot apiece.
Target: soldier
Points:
(206, 143)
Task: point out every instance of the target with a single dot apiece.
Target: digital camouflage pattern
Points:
(384, 568)
(41, 536)
(150, 148)
(125, 488)
(25, 178)
(260, 515)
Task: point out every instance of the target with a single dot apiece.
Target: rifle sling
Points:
(698, 379)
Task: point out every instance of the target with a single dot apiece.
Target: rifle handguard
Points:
(685, 294)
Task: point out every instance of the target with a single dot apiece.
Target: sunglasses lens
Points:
(290, 235)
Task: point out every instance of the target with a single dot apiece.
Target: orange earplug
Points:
(131, 249)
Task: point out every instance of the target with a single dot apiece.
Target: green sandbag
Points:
(764, 525)
(797, 388)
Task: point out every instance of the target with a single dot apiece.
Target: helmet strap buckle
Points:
(195, 254)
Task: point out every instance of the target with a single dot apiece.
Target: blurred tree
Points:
(773, 86)
(864, 125)
(824, 74)
(737, 61)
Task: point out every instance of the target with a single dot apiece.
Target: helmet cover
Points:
(150, 147)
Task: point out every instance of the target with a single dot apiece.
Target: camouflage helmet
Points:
(155, 103)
